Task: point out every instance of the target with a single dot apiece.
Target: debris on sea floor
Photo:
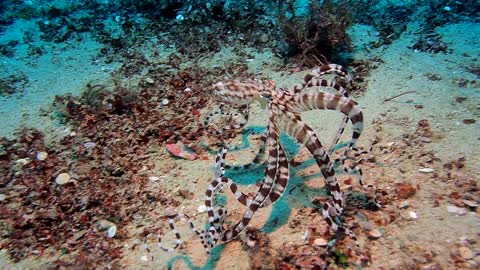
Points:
(62, 178)
(456, 210)
(180, 150)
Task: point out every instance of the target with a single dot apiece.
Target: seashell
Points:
(149, 80)
(42, 155)
(375, 234)
(471, 204)
(320, 242)
(23, 161)
(89, 145)
(202, 208)
(165, 101)
(153, 178)
(456, 210)
(426, 170)
(62, 178)
(112, 231)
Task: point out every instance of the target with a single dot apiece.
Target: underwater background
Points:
(103, 132)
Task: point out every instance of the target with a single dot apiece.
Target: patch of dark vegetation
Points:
(13, 84)
(317, 37)
(430, 42)
(8, 49)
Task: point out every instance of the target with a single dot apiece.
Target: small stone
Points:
(426, 170)
(42, 155)
(149, 80)
(264, 38)
(404, 204)
(112, 231)
(2, 197)
(62, 179)
(188, 89)
(202, 208)
(456, 210)
(320, 242)
(412, 215)
(471, 204)
(466, 253)
(153, 178)
(165, 101)
(105, 224)
(375, 234)
(251, 243)
(23, 161)
(144, 258)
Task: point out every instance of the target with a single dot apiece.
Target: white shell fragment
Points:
(202, 208)
(413, 215)
(165, 101)
(144, 258)
(62, 178)
(426, 170)
(2, 197)
(149, 80)
(320, 242)
(153, 178)
(112, 231)
(375, 234)
(42, 155)
(456, 210)
(23, 161)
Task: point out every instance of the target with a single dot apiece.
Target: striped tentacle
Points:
(273, 164)
(312, 80)
(296, 128)
(171, 222)
(311, 101)
(257, 160)
(306, 136)
(329, 69)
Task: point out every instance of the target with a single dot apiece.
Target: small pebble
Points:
(23, 161)
(89, 145)
(149, 80)
(375, 234)
(404, 204)
(105, 224)
(188, 89)
(264, 38)
(426, 170)
(320, 242)
(112, 231)
(42, 155)
(456, 210)
(153, 178)
(165, 101)
(202, 208)
(2, 197)
(144, 258)
(62, 178)
(413, 215)
(466, 253)
(471, 204)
